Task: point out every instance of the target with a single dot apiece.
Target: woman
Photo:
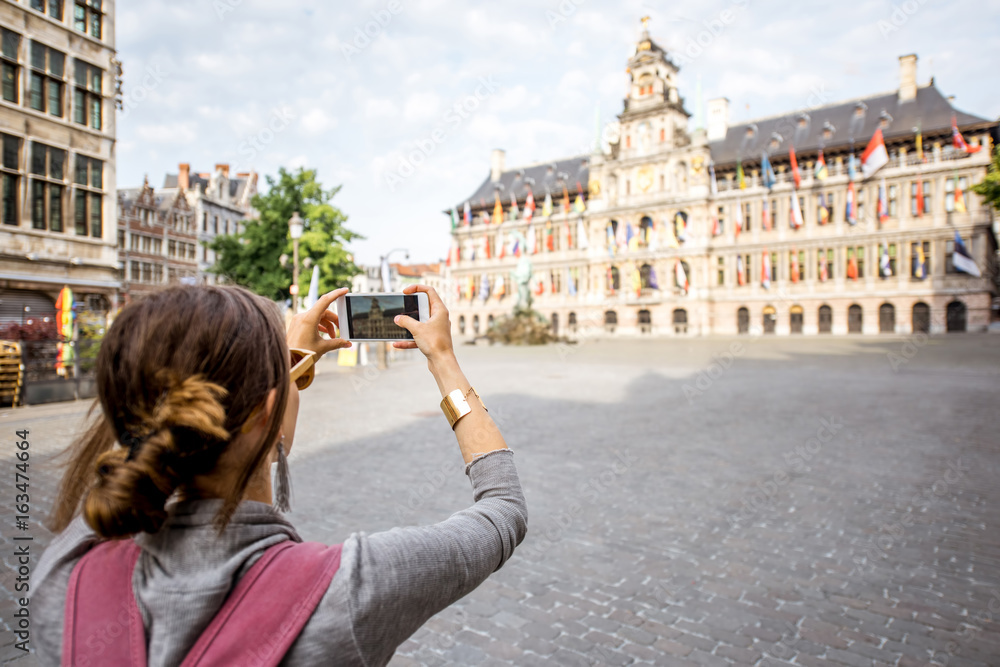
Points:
(199, 389)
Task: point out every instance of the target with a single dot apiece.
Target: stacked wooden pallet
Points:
(11, 373)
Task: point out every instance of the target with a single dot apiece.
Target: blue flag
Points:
(767, 173)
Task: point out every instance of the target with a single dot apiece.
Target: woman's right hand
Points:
(432, 337)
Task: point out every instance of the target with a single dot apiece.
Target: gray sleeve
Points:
(402, 577)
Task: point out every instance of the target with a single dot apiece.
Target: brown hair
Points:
(179, 372)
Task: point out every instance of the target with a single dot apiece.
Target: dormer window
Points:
(860, 109)
(884, 119)
(803, 120)
(828, 130)
(776, 140)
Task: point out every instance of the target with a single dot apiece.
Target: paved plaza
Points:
(820, 501)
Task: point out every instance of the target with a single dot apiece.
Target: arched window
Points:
(855, 319)
(795, 318)
(616, 283)
(645, 321)
(887, 318)
(743, 320)
(475, 324)
(489, 322)
(647, 278)
(680, 321)
(770, 319)
(645, 231)
(681, 226)
(461, 324)
(610, 321)
(555, 323)
(957, 316)
(825, 319)
(921, 317)
(571, 322)
(680, 178)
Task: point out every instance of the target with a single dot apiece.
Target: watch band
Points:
(456, 405)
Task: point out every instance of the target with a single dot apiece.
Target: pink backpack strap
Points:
(270, 605)
(260, 620)
(102, 625)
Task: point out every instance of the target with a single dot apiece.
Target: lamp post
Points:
(295, 227)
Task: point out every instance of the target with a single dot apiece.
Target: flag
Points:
(795, 265)
(962, 259)
(681, 225)
(653, 283)
(820, 172)
(467, 214)
(765, 215)
(611, 280)
(959, 140)
(571, 282)
(636, 281)
(767, 173)
(739, 175)
(469, 288)
(851, 210)
(620, 236)
(796, 176)
(671, 237)
(852, 168)
(529, 206)
(503, 246)
(629, 235)
(796, 215)
(885, 266)
(765, 271)
(920, 198)
(497, 209)
(611, 239)
(581, 235)
(549, 236)
(883, 203)
(852, 266)
(875, 156)
(64, 327)
(513, 206)
(822, 268)
(454, 217)
(959, 197)
(552, 281)
(713, 186)
(540, 287)
(516, 250)
(741, 277)
(579, 205)
(681, 275)
(920, 146)
(738, 227)
(484, 287)
(565, 202)
(486, 245)
(500, 288)
(920, 263)
(824, 210)
(547, 205)
(569, 234)
(485, 217)
(716, 230)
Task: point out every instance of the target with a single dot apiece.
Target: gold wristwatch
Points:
(455, 405)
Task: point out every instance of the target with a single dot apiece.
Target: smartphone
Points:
(365, 317)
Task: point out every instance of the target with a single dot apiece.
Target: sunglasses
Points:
(301, 375)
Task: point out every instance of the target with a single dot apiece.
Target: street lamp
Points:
(384, 269)
(295, 227)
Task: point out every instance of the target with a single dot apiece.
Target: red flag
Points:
(549, 236)
(740, 271)
(715, 225)
(795, 167)
(875, 156)
(852, 268)
(503, 247)
(529, 206)
(920, 198)
(486, 245)
(795, 266)
(822, 267)
(959, 140)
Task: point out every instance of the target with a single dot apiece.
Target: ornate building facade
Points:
(666, 231)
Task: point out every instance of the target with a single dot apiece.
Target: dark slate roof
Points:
(930, 110)
(236, 183)
(542, 177)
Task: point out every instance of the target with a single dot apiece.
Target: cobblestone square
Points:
(821, 501)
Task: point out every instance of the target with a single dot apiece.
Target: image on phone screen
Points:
(371, 316)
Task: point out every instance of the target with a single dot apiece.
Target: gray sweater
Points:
(387, 586)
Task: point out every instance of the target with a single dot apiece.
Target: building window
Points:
(87, 17)
(860, 213)
(743, 321)
(9, 69)
(46, 187)
(887, 318)
(921, 318)
(88, 198)
(215, 225)
(46, 87)
(10, 173)
(825, 319)
(949, 253)
(892, 261)
(87, 106)
(949, 194)
(924, 190)
(797, 264)
(721, 271)
(746, 269)
(893, 201)
(855, 262)
(772, 214)
(855, 319)
(610, 321)
(957, 315)
(680, 318)
(747, 216)
(571, 322)
(770, 319)
(920, 253)
(824, 264)
(721, 215)
(53, 8)
(795, 319)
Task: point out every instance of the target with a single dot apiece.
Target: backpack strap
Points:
(265, 613)
(102, 624)
(260, 620)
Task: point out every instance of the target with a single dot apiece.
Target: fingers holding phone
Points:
(305, 328)
(433, 336)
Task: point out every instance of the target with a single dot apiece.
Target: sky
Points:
(400, 102)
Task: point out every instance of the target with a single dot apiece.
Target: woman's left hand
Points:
(305, 328)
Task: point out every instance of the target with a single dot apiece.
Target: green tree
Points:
(252, 258)
(989, 188)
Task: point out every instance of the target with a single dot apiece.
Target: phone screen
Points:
(371, 316)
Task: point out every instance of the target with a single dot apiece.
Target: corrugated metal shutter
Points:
(14, 301)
